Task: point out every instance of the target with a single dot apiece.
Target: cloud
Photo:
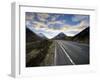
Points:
(29, 16)
(82, 25)
(72, 32)
(54, 17)
(83, 19)
(28, 23)
(50, 34)
(79, 26)
(56, 25)
(37, 24)
(75, 29)
(77, 18)
(42, 16)
(55, 22)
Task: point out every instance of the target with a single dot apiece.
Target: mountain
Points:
(83, 36)
(42, 35)
(62, 36)
(31, 36)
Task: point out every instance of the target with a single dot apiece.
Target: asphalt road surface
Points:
(70, 53)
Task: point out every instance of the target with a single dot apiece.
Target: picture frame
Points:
(18, 68)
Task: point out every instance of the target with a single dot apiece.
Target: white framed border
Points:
(18, 40)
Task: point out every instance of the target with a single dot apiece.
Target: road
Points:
(70, 53)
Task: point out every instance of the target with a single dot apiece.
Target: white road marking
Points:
(66, 53)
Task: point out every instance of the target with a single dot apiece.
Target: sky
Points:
(51, 24)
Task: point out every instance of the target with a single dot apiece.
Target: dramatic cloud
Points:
(82, 18)
(42, 16)
(29, 16)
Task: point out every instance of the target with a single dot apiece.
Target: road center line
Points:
(66, 53)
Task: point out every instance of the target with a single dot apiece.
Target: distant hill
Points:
(31, 36)
(83, 36)
(62, 36)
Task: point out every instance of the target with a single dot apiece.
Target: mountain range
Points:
(83, 36)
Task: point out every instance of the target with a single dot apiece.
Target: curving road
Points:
(70, 53)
